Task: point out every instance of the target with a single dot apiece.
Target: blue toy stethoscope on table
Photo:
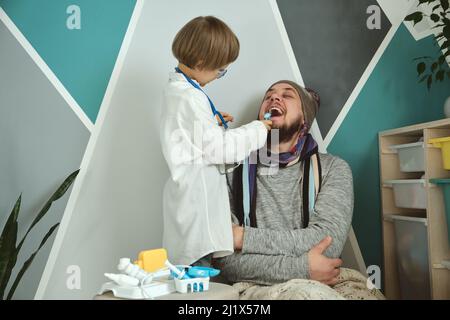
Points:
(245, 171)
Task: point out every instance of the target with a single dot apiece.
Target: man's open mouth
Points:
(276, 111)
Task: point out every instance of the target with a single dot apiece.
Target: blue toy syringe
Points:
(267, 116)
(180, 272)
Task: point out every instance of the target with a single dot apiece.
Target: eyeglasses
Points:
(221, 73)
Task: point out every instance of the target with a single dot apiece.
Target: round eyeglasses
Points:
(221, 73)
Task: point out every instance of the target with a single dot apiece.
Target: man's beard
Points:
(285, 132)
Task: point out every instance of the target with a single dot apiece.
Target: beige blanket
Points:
(351, 285)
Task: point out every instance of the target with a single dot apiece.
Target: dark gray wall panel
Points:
(333, 47)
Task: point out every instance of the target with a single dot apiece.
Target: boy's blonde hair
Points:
(207, 43)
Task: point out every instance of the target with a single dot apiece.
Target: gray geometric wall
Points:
(41, 142)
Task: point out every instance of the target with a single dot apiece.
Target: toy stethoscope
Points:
(213, 108)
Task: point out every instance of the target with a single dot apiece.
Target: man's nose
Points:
(275, 97)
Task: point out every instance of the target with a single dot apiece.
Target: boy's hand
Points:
(268, 124)
(226, 116)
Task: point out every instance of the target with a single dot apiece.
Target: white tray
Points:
(155, 289)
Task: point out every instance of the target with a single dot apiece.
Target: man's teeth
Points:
(278, 111)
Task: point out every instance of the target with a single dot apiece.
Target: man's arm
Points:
(267, 270)
(332, 216)
(263, 269)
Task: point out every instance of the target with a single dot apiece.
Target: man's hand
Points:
(226, 116)
(321, 268)
(238, 237)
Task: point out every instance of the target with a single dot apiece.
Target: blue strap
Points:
(213, 108)
(246, 193)
(312, 187)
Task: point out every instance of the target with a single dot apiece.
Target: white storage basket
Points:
(410, 156)
(411, 243)
(409, 193)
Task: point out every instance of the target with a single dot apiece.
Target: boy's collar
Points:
(175, 76)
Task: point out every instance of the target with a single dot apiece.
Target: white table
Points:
(217, 291)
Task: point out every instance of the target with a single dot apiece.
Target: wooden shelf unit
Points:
(438, 246)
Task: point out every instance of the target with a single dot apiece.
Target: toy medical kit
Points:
(135, 281)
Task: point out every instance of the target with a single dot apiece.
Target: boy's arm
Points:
(210, 143)
(233, 145)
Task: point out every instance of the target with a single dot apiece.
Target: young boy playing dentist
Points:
(197, 218)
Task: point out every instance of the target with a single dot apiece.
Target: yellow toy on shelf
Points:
(152, 260)
(444, 144)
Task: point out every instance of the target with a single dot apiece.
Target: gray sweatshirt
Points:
(277, 250)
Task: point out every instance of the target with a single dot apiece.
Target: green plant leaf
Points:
(444, 4)
(440, 75)
(446, 44)
(430, 81)
(421, 67)
(8, 241)
(439, 36)
(422, 58)
(435, 7)
(435, 17)
(14, 252)
(434, 66)
(438, 26)
(446, 31)
(27, 263)
(416, 17)
(58, 194)
(423, 78)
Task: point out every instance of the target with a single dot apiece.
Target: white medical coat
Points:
(196, 208)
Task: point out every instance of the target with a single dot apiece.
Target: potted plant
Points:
(8, 249)
(433, 69)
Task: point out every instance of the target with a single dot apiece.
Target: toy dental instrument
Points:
(202, 272)
(180, 274)
(122, 279)
(267, 116)
(126, 267)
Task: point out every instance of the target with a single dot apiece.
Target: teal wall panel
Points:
(391, 98)
(82, 59)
